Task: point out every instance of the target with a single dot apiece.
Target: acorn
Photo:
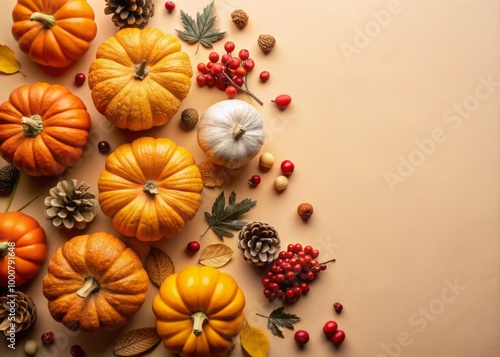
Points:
(8, 178)
(189, 118)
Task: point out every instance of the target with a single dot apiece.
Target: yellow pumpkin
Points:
(199, 311)
(151, 187)
(139, 78)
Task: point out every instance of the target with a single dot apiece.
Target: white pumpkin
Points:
(231, 133)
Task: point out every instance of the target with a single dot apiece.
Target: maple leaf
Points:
(224, 219)
(279, 318)
(201, 30)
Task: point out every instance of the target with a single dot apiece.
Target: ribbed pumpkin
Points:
(139, 78)
(43, 129)
(151, 187)
(54, 33)
(199, 311)
(95, 283)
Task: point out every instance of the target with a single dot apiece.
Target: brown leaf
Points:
(254, 341)
(8, 61)
(216, 255)
(158, 265)
(213, 175)
(137, 341)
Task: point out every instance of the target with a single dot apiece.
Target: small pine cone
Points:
(266, 43)
(8, 177)
(70, 205)
(259, 243)
(240, 18)
(130, 13)
(21, 307)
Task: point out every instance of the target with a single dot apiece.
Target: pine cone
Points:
(259, 243)
(22, 308)
(70, 205)
(130, 13)
(8, 177)
(240, 18)
(266, 43)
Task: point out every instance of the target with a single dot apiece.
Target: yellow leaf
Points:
(8, 61)
(254, 341)
(213, 175)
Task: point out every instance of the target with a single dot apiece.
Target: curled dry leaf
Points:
(254, 341)
(158, 265)
(213, 175)
(216, 255)
(136, 342)
(8, 61)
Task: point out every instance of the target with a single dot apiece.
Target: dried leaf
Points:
(8, 61)
(213, 175)
(216, 255)
(254, 341)
(158, 265)
(137, 341)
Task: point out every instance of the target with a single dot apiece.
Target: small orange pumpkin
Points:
(23, 242)
(54, 33)
(43, 129)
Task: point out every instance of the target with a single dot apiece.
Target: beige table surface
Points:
(394, 133)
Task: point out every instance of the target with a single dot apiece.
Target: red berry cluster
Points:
(227, 72)
(331, 331)
(289, 276)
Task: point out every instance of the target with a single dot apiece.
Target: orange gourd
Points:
(151, 188)
(95, 283)
(54, 33)
(43, 129)
(23, 248)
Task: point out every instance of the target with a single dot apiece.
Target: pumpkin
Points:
(151, 188)
(54, 33)
(94, 283)
(231, 133)
(199, 311)
(43, 129)
(22, 242)
(139, 78)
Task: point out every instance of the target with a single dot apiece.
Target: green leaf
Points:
(225, 218)
(200, 31)
(279, 318)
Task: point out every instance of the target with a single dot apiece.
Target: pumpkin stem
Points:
(199, 319)
(90, 286)
(32, 125)
(4, 249)
(140, 70)
(48, 21)
(238, 132)
(151, 187)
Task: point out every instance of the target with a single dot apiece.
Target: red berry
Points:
(254, 180)
(338, 337)
(282, 101)
(76, 351)
(338, 307)
(244, 55)
(238, 81)
(264, 76)
(217, 68)
(79, 79)
(234, 63)
(240, 72)
(170, 6)
(231, 92)
(47, 338)
(209, 80)
(225, 58)
(329, 328)
(103, 147)
(249, 65)
(193, 246)
(229, 46)
(301, 337)
(213, 57)
(201, 80)
(202, 67)
(287, 167)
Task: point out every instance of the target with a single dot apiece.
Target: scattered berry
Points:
(338, 337)
(338, 307)
(231, 92)
(254, 180)
(282, 101)
(301, 337)
(170, 6)
(76, 351)
(193, 246)
(47, 337)
(329, 328)
(103, 147)
(287, 167)
(79, 79)
(229, 46)
(281, 183)
(264, 76)
(305, 211)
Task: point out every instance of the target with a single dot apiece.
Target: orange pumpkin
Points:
(43, 129)
(151, 187)
(23, 248)
(54, 33)
(95, 283)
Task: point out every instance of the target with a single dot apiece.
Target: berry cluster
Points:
(289, 276)
(227, 72)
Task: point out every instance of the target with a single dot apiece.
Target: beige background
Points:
(394, 133)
